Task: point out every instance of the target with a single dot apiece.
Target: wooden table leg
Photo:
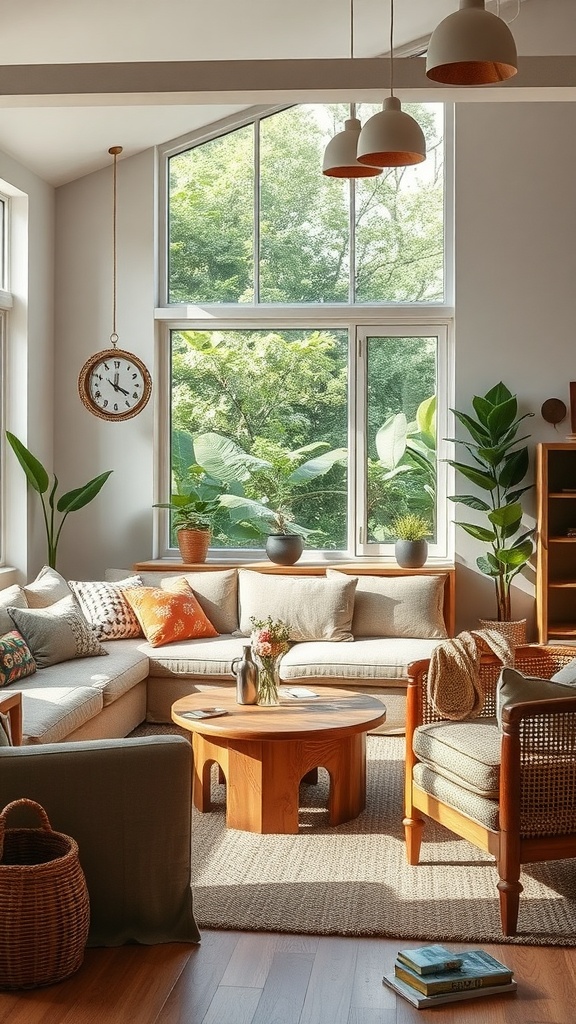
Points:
(206, 753)
(347, 770)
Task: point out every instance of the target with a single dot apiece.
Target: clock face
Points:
(114, 384)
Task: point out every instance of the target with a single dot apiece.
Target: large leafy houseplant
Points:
(498, 467)
(72, 501)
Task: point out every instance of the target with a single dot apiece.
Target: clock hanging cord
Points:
(115, 152)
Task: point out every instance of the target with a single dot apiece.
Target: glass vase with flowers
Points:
(269, 644)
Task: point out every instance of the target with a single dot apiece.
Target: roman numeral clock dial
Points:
(114, 384)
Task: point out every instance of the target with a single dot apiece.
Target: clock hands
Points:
(115, 385)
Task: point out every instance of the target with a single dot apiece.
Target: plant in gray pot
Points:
(411, 547)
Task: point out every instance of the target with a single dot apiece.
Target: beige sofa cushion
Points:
(365, 660)
(313, 608)
(48, 587)
(398, 606)
(216, 592)
(51, 712)
(14, 597)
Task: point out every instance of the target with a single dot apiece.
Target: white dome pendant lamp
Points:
(391, 138)
(340, 153)
(471, 47)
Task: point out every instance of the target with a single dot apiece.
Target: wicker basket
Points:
(514, 632)
(44, 907)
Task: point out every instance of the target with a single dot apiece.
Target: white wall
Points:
(515, 279)
(115, 529)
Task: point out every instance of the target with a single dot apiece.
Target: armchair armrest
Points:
(538, 768)
(11, 705)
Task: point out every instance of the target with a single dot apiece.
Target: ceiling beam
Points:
(276, 81)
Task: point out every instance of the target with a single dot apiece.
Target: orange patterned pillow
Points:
(169, 615)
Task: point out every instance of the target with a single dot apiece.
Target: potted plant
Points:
(497, 467)
(72, 501)
(411, 547)
(193, 520)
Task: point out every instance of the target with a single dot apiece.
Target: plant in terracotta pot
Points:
(497, 467)
(193, 519)
(411, 547)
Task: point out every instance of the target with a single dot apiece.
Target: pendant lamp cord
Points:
(391, 47)
(114, 151)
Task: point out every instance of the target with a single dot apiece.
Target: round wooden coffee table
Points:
(264, 753)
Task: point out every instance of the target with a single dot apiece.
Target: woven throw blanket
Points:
(453, 685)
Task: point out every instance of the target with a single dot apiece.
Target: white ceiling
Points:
(62, 137)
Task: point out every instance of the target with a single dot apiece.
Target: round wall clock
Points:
(114, 384)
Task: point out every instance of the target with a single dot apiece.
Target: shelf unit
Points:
(556, 551)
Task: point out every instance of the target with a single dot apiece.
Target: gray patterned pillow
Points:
(106, 608)
(55, 634)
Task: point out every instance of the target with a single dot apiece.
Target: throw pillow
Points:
(514, 687)
(48, 587)
(398, 606)
(313, 608)
(15, 597)
(16, 661)
(56, 634)
(106, 608)
(216, 591)
(166, 616)
(566, 674)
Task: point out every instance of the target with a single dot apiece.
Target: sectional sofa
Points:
(354, 626)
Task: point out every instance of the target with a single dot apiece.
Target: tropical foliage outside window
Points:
(264, 418)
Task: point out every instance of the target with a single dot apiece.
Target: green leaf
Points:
(476, 430)
(478, 532)
(390, 440)
(81, 496)
(224, 459)
(476, 476)
(318, 466)
(498, 394)
(502, 417)
(486, 568)
(516, 556)
(471, 501)
(514, 469)
(506, 515)
(482, 408)
(426, 419)
(35, 473)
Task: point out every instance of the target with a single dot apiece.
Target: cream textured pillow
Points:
(108, 611)
(313, 608)
(514, 687)
(56, 634)
(398, 606)
(48, 587)
(15, 597)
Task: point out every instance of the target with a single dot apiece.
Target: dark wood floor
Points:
(256, 978)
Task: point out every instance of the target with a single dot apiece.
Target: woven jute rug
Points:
(354, 879)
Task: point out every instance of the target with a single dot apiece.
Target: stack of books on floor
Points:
(431, 975)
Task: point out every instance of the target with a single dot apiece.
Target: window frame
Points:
(386, 318)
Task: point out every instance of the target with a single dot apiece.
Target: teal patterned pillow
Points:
(16, 661)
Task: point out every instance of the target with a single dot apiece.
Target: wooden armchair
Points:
(517, 799)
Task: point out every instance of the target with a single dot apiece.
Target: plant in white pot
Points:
(497, 467)
(411, 546)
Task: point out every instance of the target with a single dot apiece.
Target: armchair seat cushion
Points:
(474, 806)
(466, 753)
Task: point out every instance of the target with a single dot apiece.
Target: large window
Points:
(306, 321)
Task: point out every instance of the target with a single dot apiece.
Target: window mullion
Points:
(256, 229)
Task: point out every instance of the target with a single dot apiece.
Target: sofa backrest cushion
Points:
(398, 606)
(16, 598)
(216, 592)
(313, 608)
(48, 587)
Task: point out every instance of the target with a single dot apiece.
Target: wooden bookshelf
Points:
(555, 549)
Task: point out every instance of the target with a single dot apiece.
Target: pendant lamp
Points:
(471, 47)
(391, 138)
(340, 153)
